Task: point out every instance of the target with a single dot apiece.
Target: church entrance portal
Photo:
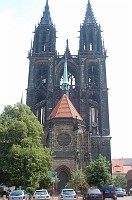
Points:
(63, 176)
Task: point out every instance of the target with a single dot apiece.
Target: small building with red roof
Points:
(67, 138)
(123, 167)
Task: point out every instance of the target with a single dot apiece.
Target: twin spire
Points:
(89, 15)
(46, 18)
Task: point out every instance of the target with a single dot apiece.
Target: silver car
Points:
(68, 194)
(18, 195)
(41, 195)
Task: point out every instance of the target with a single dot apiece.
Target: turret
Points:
(90, 33)
(45, 34)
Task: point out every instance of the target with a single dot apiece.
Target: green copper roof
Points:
(65, 73)
(65, 84)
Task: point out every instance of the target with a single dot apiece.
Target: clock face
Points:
(94, 124)
(64, 139)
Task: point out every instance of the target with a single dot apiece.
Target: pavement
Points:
(118, 198)
(56, 198)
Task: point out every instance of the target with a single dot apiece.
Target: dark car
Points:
(92, 194)
(108, 191)
(119, 192)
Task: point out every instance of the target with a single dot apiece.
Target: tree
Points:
(82, 186)
(98, 172)
(120, 181)
(77, 177)
(24, 161)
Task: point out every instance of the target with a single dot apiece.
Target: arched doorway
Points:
(64, 176)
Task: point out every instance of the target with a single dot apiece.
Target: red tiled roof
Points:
(118, 166)
(64, 109)
(127, 168)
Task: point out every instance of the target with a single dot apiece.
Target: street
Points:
(125, 198)
(119, 198)
(80, 198)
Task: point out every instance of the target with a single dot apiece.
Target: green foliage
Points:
(30, 190)
(24, 161)
(120, 181)
(98, 172)
(77, 177)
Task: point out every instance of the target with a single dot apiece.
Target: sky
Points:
(17, 23)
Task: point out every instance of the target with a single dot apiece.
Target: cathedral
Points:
(69, 95)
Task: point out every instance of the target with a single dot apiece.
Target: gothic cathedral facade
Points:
(69, 95)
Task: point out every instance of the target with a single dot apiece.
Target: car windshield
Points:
(40, 192)
(16, 193)
(118, 189)
(95, 191)
(68, 192)
(107, 187)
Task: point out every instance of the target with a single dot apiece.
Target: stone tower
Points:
(74, 86)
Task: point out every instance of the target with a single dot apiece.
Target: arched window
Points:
(93, 116)
(91, 42)
(71, 80)
(93, 77)
(91, 47)
(40, 113)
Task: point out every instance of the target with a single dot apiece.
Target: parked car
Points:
(92, 194)
(125, 192)
(119, 192)
(4, 193)
(41, 195)
(108, 191)
(67, 194)
(18, 195)
(130, 192)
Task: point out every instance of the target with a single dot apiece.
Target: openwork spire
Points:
(46, 18)
(67, 51)
(89, 15)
